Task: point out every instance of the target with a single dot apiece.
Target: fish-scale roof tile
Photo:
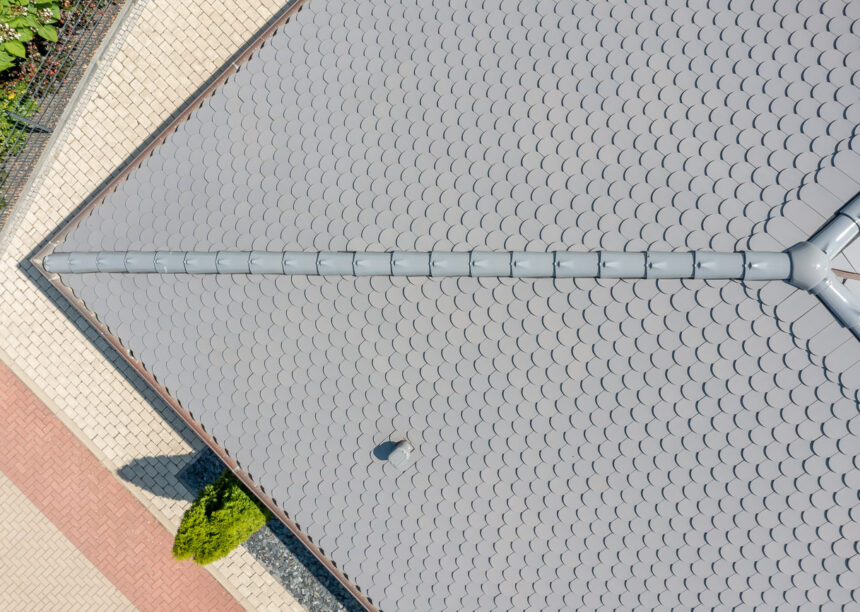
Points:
(578, 442)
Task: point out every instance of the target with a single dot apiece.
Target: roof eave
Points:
(229, 68)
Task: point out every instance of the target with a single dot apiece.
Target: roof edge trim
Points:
(743, 265)
(189, 106)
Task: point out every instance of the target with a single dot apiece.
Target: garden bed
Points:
(45, 47)
(278, 550)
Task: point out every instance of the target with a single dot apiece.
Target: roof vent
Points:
(399, 457)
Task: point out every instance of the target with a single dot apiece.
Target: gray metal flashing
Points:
(835, 235)
(840, 231)
(335, 264)
(493, 264)
(260, 262)
(766, 266)
(444, 263)
(839, 301)
(533, 265)
(372, 264)
(805, 265)
(410, 264)
(578, 442)
(513, 264)
(165, 261)
(134, 261)
(714, 265)
(671, 265)
(811, 265)
(200, 263)
(225, 263)
(576, 265)
(614, 264)
(299, 263)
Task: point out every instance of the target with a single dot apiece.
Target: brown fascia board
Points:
(36, 260)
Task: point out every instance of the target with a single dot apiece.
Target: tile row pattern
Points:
(579, 443)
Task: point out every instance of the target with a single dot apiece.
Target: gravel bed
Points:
(278, 550)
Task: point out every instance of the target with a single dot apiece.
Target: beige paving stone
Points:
(40, 569)
(162, 52)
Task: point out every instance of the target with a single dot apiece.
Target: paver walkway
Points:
(94, 511)
(162, 52)
(48, 571)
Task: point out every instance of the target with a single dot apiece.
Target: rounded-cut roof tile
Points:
(604, 127)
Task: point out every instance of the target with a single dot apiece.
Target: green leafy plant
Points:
(223, 516)
(13, 97)
(20, 22)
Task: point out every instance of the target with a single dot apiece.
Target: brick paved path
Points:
(48, 572)
(161, 52)
(94, 511)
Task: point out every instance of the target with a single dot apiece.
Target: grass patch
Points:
(223, 516)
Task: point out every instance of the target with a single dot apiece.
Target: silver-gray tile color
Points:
(578, 443)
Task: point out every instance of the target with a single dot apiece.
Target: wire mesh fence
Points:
(36, 92)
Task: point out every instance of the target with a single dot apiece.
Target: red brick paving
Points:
(94, 511)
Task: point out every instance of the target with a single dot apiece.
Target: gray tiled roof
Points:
(577, 443)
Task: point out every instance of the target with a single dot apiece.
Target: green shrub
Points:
(20, 22)
(223, 516)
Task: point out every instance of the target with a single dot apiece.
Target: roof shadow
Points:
(154, 475)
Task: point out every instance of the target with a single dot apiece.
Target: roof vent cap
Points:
(401, 454)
